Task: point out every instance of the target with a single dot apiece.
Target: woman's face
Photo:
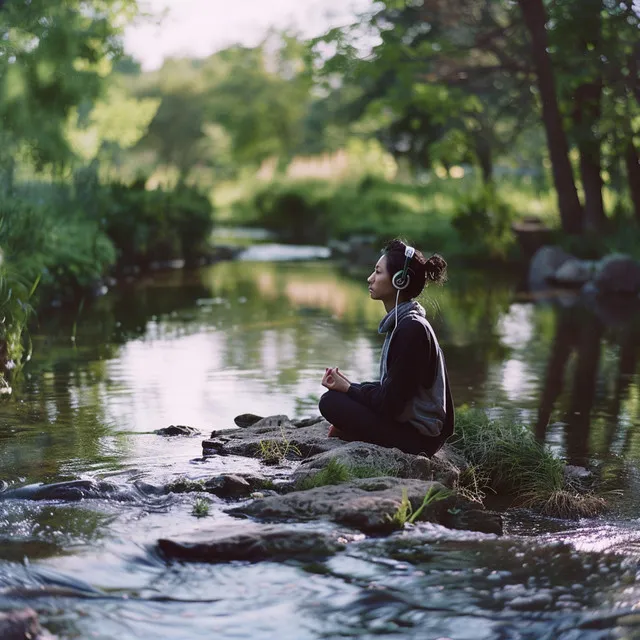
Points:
(380, 286)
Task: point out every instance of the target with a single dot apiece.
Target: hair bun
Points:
(436, 269)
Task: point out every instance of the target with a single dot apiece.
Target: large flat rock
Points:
(253, 542)
(366, 504)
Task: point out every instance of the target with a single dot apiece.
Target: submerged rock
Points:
(177, 430)
(366, 504)
(252, 542)
(22, 625)
(71, 490)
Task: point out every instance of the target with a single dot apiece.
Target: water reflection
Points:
(200, 347)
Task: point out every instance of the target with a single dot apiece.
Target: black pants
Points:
(358, 422)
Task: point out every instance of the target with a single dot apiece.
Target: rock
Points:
(229, 486)
(470, 519)
(575, 272)
(247, 419)
(177, 430)
(307, 422)
(618, 274)
(275, 438)
(545, 264)
(366, 504)
(252, 542)
(22, 625)
(381, 461)
(71, 490)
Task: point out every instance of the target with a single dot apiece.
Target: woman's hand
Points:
(335, 381)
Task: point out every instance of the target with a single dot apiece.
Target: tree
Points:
(54, 56)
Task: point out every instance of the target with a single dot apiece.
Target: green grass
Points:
(508, 460)
(200, 508)
(276, 451)
(337, 472)
(406, 514)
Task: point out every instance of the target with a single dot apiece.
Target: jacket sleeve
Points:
(410, 353)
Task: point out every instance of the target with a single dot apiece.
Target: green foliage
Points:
(484, 224)
(53, 57)
(147, 225)
(406, 514)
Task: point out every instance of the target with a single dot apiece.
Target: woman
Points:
(411, 407)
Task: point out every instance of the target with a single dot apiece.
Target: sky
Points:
(197, 28)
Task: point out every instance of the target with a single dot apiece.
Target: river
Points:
(199, 347)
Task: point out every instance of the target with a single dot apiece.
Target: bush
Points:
(484, 222)
(158, 225)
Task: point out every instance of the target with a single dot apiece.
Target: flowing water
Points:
(198, 348)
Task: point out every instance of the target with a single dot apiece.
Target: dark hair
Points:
(421, 269)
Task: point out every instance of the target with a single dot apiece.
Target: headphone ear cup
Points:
(400, 283)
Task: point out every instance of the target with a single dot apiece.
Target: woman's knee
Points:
(327, 404)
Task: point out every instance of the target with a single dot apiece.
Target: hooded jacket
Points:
(414, 385)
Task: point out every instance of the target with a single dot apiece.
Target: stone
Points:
(22, 624)
(274, 437)
(307, 422)
(365, 504)
(229, 486)
(575, 272)
(392, 462)
(544, 265)
(618, 274)
(252, 542)
(247, 419)
(72, 490)
(177, 430)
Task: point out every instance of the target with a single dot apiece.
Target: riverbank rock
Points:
(247, 419)
(544, 265)
(375, 460)
(177, 430)
(368, 505)
(617, 274)
(273, 439)
(575, 273)
(253, 542)
(22, 625)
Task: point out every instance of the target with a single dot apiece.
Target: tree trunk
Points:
(632, 162)
(570, 209)
(586, 115)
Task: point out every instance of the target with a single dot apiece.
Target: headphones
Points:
(402, 279)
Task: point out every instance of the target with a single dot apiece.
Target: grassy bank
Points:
(58, 241)
(454, 216)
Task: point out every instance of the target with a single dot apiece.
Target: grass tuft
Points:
(275, 451)
(337, 472)
(506, 458)
(200, 508)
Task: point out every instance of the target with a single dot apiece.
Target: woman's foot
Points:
(334, 433)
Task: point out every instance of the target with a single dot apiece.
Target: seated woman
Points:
(411, 407)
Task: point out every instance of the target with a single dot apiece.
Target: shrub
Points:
(483, 222)
(146, 225)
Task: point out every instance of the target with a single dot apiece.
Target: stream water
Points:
(198, 348)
